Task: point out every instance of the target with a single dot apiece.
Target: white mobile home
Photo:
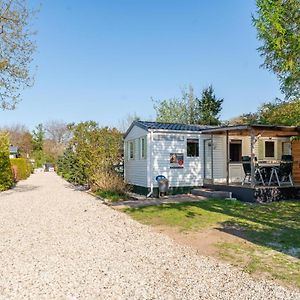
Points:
(192, 155)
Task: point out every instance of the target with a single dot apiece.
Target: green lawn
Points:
(273, 230)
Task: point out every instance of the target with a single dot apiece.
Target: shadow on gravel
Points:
(21, 189)
(76, 188)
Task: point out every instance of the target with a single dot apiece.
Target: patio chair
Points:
(246, 160)
(287, 157)
(283, 173)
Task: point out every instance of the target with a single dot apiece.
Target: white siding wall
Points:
(135, 171)
(189, 175)
(142, 172)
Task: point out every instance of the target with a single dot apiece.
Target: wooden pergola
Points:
(255, 132)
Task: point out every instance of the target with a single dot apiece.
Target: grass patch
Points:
(273, 230)
(112, 196)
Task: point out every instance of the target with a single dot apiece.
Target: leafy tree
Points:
(99, 150)
(6, 179)
(20, 136)
(38, 137)
(249, 118)
(184, 110)
(171, 111)
(189, 109)
(16, 51)
(278, 27)
(280, 112)
(38, 146)
(209, 107)
(70, 167)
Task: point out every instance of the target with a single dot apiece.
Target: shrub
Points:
(21, 168)
(6, 180)
(109, 182)
(70, 168)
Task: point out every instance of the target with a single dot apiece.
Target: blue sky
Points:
(100, 60)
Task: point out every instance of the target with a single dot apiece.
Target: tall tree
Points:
(38, 137)
(280, 112)
(278, 28)
(209, 107)
(38, 154)
(16, 51)
(182, 110)
(57, 131)
(127, 121)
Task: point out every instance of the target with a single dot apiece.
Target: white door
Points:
(207, 160)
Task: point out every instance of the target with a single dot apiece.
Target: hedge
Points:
(21, 168)
(6, 178)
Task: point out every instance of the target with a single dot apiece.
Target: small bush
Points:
(6, 179)
(109, 182)
(21, 168)
(71, 168)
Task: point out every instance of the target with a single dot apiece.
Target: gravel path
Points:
(58, 243)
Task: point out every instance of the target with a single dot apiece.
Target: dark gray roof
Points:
(13, 150)
(169, 126)
(166, 126)
(208, 129)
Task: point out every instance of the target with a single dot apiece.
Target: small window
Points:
(269, 149)
(235, 151)
(143, 149)
(131, 150)
(192, 147)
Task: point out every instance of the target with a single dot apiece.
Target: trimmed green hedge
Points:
(21, 168)
(6, 178)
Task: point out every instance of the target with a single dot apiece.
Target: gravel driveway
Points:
(58, 243)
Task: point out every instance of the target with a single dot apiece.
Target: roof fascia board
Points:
(135, 123)
(176, 131)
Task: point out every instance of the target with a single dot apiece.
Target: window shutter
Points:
(260, 146)
(126, 154)
(145, 139)
(279, 149)
(136, 149)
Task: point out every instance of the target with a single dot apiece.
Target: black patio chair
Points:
(283, 173)
(246, 161)
(287, 157)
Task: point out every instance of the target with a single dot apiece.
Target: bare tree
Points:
(16, 50)
(127, 121)
(57, 131)
(57, 136)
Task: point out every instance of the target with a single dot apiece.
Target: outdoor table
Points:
(266, 167)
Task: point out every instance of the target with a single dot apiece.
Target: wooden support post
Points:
(212, 159)
(227, 157)
(252, 162)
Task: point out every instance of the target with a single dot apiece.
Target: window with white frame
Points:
(131, 150)
(143, 147)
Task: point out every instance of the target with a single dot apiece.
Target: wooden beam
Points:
(252, 162)
(212, 158)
